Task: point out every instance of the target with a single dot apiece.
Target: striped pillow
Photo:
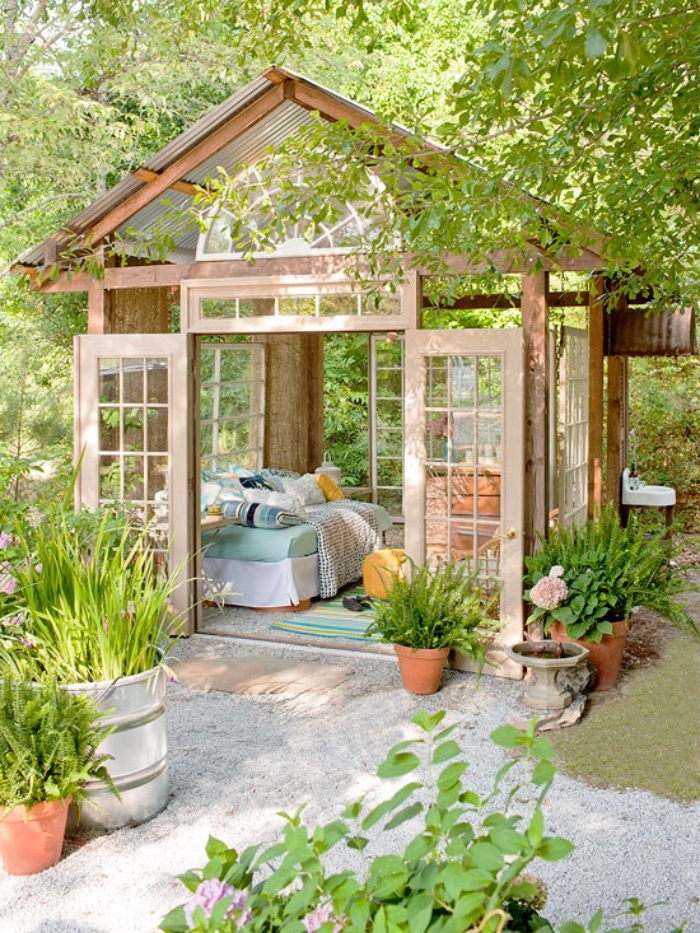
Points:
(257, 515)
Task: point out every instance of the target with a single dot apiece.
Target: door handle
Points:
(509, 535)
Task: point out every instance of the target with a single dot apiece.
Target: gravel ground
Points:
(235, 761)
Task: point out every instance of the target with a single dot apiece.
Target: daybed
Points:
(284, 565)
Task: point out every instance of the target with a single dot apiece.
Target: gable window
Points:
(347, 226)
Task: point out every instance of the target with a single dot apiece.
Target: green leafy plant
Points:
(48, 742)
(588, 576)
(88, 602)
(464, 869)
(440, 607)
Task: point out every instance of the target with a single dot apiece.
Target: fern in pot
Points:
(428, 612)
(48, 752)
(90, 606)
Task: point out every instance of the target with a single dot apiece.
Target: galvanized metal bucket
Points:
(136, 706)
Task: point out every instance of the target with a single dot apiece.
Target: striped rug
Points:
(329, 620)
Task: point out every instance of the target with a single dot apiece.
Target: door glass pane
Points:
(463, 470)
(133, 437)
(231, 406)
(387, 422)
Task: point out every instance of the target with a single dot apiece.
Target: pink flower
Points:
(8, 584)
(5, 540)
(549, 593)
(321, 914)
(556, 571)
(208, 895)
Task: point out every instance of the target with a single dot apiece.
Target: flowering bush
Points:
(591, 575)
(463, 870)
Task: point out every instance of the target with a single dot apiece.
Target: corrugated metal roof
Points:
(271, 131)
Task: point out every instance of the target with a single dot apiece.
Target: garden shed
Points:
(201, 358)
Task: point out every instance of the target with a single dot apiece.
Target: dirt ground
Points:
(650, 631)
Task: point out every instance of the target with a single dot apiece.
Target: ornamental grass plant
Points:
(88, 600)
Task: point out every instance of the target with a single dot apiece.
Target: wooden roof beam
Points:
(178, 169)
(149, 176)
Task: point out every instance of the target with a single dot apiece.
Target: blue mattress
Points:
(236, 542)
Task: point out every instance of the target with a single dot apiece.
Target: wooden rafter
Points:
(178, 169)
(149, 176)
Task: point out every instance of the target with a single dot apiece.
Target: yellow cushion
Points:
(379, 571)
(329, 487)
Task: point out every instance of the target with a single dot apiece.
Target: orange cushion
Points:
(329, 487)
(379, 570)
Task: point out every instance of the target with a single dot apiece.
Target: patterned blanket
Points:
(347, 532)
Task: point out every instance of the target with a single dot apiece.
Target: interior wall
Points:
(293, 401)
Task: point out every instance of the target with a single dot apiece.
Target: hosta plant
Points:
(591, 575)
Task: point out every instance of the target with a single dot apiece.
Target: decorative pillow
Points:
(330, 489)
(273, 471)
(229, 480)
(305, 489)
(257, 515)
(281, 500)
(212, 493)
(255, 481)
(239, 470)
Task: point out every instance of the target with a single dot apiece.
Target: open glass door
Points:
(133, 430)
(573, 428)
(464, 463)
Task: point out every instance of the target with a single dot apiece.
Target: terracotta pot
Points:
(605, 656)
(421, 668)
(32, 839)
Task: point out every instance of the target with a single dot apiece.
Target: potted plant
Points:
(429, 611)
(48, 751)
(87, 602)
(585, 580)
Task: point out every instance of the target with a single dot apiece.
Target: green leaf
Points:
(404, 815)
(535, 830)
(388, 875)
(389, 805)
(554, 848)
(420, 912)
(507, 736)
(485, 855)
(428, 722)
(398, 765)
(445, 751)
(451, 775)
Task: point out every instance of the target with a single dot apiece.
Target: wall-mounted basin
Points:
(657, 496)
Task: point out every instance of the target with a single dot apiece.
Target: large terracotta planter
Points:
(32, 840)
(421, 668)
(605, 656)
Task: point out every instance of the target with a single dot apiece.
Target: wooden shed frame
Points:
(135, 299)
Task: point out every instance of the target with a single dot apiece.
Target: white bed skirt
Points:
(260, 585)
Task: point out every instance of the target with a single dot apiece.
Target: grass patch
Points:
(648, 737)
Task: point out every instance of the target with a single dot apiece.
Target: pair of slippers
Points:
(357, 603)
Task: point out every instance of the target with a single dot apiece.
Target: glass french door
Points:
(463, 463)
(133, 432)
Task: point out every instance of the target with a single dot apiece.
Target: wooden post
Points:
(616, 454)
(535, 317)
(595, 396)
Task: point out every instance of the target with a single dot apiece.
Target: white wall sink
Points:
(657, 496)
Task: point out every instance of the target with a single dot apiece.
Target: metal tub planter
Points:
(135, 705)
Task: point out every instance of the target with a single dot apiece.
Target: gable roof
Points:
(263, 114)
